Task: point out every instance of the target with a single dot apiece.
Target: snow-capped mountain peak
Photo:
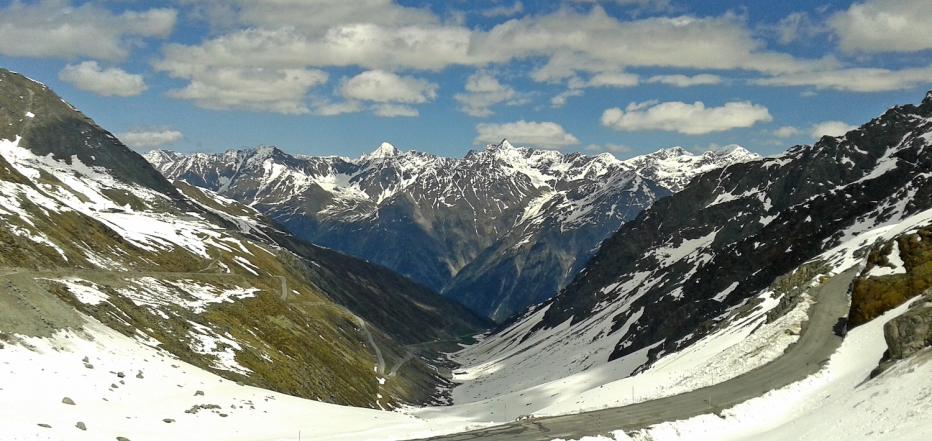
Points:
(384, 151)
(673, 167)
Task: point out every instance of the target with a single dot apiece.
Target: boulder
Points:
(912, 331)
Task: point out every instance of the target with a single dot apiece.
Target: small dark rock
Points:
(199, 393)
(121, 438)
(68, 401)
(120, 375)
(80, 425)
(139, 374)
(45, 425)
(168, 420)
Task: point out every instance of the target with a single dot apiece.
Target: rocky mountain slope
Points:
(91, 232)
(749, 237)
(498, 230)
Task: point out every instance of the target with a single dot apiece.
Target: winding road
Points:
(814, 347)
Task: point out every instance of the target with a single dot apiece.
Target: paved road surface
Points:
(802, 359)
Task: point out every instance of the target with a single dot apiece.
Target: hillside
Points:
(93, 233)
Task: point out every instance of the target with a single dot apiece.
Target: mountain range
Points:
(744, 240)
(498, 230)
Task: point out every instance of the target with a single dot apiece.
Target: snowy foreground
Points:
(838, 403)
(141, 393)
(127, 387)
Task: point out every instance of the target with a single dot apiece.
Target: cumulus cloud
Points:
(855, 79)
(796, 26)
(830, 128)
(613, 79)
(568, 42)
(483, 92)
(256, 89)
(504, 11)
(318, 15)
(386, 87)
(690, 119)
(686, 80)
(560, 99)
(111, 81)
(875, 26)
(150, 139)
(547, 134)
(575, 85)
(786, 132)
(56, 29)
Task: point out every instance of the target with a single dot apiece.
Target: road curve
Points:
(814, 347)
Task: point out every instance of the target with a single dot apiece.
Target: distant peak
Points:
(734, 151)
(504, 145)
(672, 151)
(385, 150)
(267, 151)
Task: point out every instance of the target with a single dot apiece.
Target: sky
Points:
(338, 77)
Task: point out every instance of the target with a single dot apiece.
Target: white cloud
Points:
(613, 79)
(690, 119)
(786, 132)
(145, 140)
(796, 26)
(855, 79)
(483, 91)
(387, 87)
(830, 128)
(256, 89)
(505, 11)
(547, 134)
(575, 85)
(686, 80)
(876, 26)
(56, 29)
(106, 82)
(575, 42)
(318, 15)
(559, 100)
(569, 42)
(394, 110)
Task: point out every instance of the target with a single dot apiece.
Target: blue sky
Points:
(339, 77)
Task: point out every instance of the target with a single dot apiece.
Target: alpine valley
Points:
(499, 230)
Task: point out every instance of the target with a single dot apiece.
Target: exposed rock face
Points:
(912, 331)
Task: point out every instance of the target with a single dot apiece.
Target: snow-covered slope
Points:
(682, 269)
(89, 228)
(842, 402)
(498, 230)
